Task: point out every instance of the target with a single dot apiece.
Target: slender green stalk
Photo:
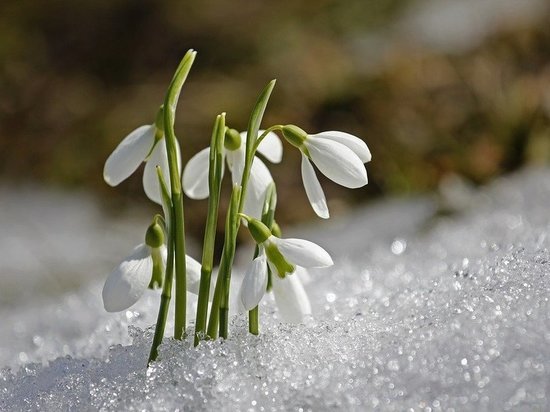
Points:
(254, 321)
(168, 276)
(252, 134)
(165, 298)
(220, 293)
(265, 133)
(231, 228)
(170, 104)
(254, 314)
(213, 322)
(268, 217)
(214, 184)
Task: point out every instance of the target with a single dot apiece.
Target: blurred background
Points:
(436, 88)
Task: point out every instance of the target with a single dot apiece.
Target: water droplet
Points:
(398, 246)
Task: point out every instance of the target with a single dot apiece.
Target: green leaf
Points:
(257, 116)
(174, 89)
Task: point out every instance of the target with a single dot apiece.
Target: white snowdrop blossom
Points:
(290, 295)
(339, 156)
(127, 283)
(144, 144)
(282, 256)
(195, 173)
(254, 282)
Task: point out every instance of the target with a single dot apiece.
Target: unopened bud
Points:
(232, 139)
(294, 135)
(258, 230)
(154, 237)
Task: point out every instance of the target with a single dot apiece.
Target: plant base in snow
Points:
(161, 261)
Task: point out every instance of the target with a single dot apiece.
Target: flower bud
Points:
(157, 277)
(154, 237)
(294, 135)
(232, 139)
(258, 230)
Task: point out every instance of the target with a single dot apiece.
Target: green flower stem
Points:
(252, 134)
(165, 298)
(166, 295)
(170, 104)
(218, 321)
(268, 217)
(213, 322)
(254, 321)
(277, 127)
(231, 227)
(214, 184)
(219, 293)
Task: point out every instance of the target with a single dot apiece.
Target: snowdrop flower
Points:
(128, 281)
(291, 297)
(339, 156)
(143, 268)
(195, 174)
(144, 144)
(282, 256)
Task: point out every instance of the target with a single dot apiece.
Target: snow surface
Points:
(420, 312)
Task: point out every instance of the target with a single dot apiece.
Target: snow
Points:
(420, 312)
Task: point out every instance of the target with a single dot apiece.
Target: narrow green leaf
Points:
(257, 116)
(214, 183)
(177, 82)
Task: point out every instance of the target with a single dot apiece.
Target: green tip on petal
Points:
(277, 259)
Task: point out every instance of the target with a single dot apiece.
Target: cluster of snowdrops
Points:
(161, 261)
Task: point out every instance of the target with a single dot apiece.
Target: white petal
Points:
(357, 145)
(259, 181)
(128, 155)
(337, 162)
(291, 298)
(193, 274)
(271, 147)
(303, 274)
(195, 175)
(302, 252)
(164, 254)
(128, 281)
(314, 191)
(235, 161)
(158, 157)
(254, 283)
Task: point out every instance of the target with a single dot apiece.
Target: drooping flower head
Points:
(144, 144)
(339, 156)
(195, 173)
(281, 256)
(143, 268)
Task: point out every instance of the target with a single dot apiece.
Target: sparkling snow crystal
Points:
(419, 313)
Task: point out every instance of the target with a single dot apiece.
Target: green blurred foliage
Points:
(77, 76)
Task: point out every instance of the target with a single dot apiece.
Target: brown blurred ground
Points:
(76, 77)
